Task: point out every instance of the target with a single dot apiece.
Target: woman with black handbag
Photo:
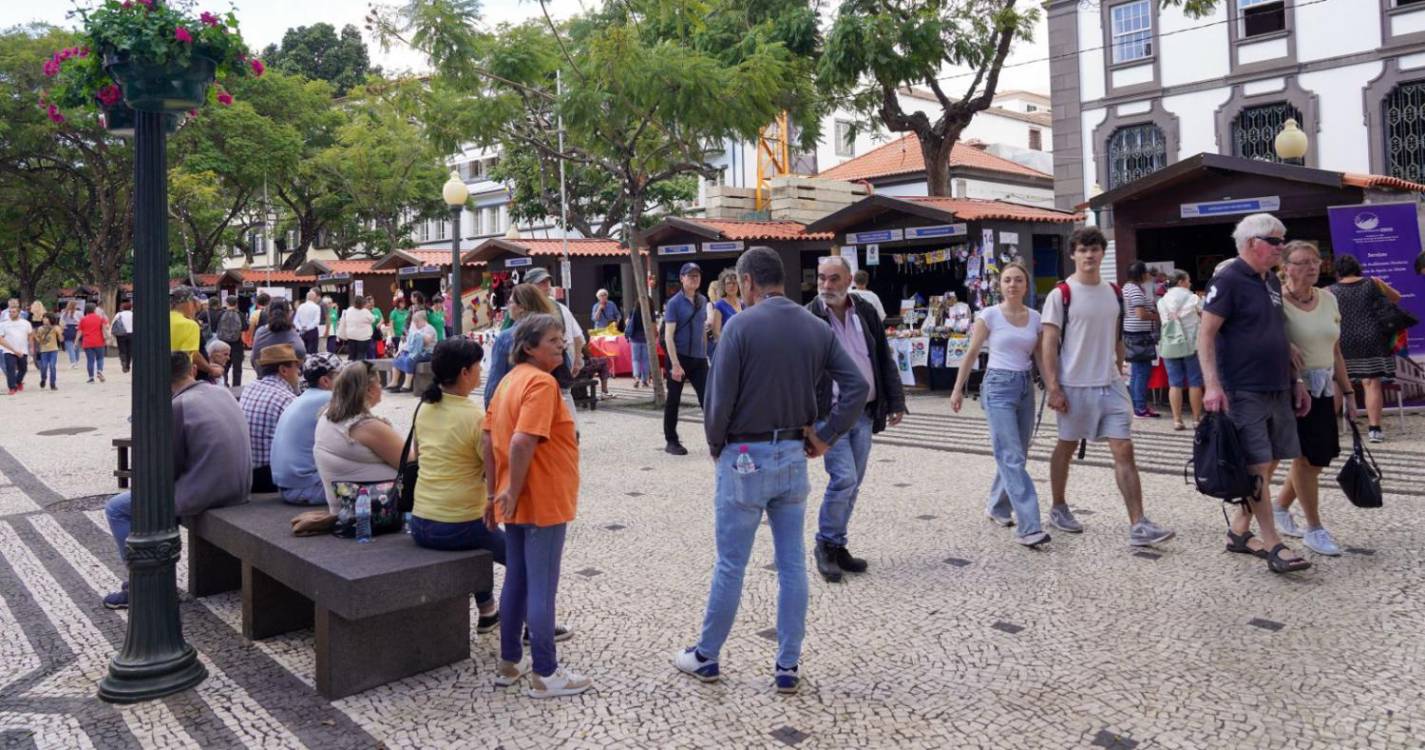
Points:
(1364, 341)
(1140, 314)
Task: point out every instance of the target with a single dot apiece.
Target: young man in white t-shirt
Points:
(1085, 383)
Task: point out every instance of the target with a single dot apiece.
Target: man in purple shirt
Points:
(857, 328)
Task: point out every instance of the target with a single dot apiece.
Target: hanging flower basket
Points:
(120, 120)
(173, 86)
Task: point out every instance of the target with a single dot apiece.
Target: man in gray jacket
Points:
(761, 425)
(857, 327)
(212, 460)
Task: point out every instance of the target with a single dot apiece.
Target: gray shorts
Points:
(1097, 413)
(1266, 425)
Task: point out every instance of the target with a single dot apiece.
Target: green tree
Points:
(876, 48)
(319, 53)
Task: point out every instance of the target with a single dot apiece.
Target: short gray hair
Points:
(836, 259)
(1178, 276)
(216, 345)
(1256, 225)
(762, 264)
(529, 332)
(602, 293)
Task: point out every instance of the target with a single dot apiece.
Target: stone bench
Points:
(124, 473)
(381, 611)
(387, 369)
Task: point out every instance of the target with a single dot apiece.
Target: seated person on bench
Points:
(597, 364)
(263, 403)
(294, 469)
(212, 461)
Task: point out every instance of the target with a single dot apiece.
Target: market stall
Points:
(594, 264)
(344, 279)
(715, 244)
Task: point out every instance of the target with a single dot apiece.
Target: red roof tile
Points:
(1381, 181)
(362, 267)
(975, 209)
(430, 257)
(262, 277)
(582, 247)
(902, 156)
(735, 229)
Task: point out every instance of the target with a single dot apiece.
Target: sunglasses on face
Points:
(1273, 241)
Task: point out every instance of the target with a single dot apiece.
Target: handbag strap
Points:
(410, 438)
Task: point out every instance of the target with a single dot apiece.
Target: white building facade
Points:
(1137, 87)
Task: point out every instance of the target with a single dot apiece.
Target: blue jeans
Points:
(94, 360)
(452, 537)
(71, 344)
(639, 353)
(1008, 400)
(846, 463)
(119, 511)
(531, 581)
(312, 494)
(1184, 372)
(14, 370)
(47, 366)
(1138, 384)
(778, 487)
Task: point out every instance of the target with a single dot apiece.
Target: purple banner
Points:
(1385, 238)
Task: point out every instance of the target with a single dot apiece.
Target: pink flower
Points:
(56, 118)
(182, 35)
(127, 5)
(209, 19)
(257, 67)
(147, 4)
(51, 68)
(225, 99)
(65, 54)
(110, 95)
(83, 51)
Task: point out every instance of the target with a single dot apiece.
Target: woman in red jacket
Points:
(91, 337)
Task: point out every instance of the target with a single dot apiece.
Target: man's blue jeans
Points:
(1008, 400)
(778, 487)
(312, 494)
(14, 373)
(1138, 384)
(846, 463)
(119, 511)
(460, 536)
(531, 580)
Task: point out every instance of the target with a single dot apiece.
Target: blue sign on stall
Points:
(879, 235)
(1233, 206)
(518, 262)
(687, 249)
(417, 270)
(937, 230)
(723, 247)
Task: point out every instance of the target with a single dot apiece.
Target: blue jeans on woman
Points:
(1008, 400)
(71, 343)
(777, 487)
(94, 360)
(639, 353)
(467, 535)
(531, 581)
(47, 366)
(1138, 384)
(119, 512)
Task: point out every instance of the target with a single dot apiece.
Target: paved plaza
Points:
(955, 638)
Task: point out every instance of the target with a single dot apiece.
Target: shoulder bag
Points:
(390, 500)
(1360, 477)
(1390, 317)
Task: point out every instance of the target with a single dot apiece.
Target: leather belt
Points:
(789, 433)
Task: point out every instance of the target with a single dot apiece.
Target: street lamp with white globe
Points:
(1291, 142)
(455, 193)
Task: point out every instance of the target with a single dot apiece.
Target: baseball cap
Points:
(319, 364)
(535, 275)
(180, 294)
(690, 268)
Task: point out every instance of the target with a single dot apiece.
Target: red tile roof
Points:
(362, 267)
(902, 156)
(581, 247)
(1381, 181)
(262, 277)
(975, 209)
(735, 229)
(430, 257)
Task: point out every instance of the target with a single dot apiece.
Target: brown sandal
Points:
(1277, 565)
(1238, 543)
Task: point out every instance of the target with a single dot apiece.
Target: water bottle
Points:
(406, 519)
(744, 464)
(363, 516)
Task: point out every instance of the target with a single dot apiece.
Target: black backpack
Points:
(1218, 463)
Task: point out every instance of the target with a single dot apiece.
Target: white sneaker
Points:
(1286, 523)
(509, 673)
(1320, 542)
(1005, 521)
(1033, 540)
(563, 682)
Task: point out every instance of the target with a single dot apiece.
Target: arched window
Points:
(1404, 114)
(1254, 131)
(1135, 151)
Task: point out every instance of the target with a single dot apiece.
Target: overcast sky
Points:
(264, 22)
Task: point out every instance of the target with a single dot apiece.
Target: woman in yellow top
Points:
(1313, 325)
(47, 339)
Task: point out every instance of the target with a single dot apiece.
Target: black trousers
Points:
(234, 371)
(262, 479)
(695, 371)
(356, 350)
(126, 357)
(309, 340)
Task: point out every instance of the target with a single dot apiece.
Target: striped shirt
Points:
(1135, 297)
(262, 404)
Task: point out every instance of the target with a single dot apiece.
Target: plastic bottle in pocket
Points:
(743, 464)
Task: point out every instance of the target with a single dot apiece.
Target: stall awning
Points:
(578, 248)
(939, 210)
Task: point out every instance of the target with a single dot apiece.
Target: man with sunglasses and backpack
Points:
(1082, 360)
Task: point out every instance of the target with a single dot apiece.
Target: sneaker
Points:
(1061, 518)
(563, 682)
(42, 385)
(119, 599)
(1033, 540)
(825, 554)
(1004, 521)
(1286, 523)
(91, 380)
(676, 449)
(1320, 542)
(561, 634)
(1145, 414)
(487, 623)
(1377, 435)
(53, 387)
(847, 562)
(689, 661)
(1145, 533)
(786, 680)
(508, 673)
(99, 375)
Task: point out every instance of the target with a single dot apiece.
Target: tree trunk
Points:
(645, 306)
(936, 151)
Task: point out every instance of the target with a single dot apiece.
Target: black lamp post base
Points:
(133, 683)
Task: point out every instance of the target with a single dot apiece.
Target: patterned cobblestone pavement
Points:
(956, 637)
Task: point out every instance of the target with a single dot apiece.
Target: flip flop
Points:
(1238, 543)
(1276, 564)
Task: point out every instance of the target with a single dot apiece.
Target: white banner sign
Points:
(873, 255)
(849, 253)
(730, 246)
(879, 235)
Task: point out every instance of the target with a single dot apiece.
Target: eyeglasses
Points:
(1311, 262)
(1273, 241)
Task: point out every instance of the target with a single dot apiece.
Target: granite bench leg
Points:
(211, 570)
(357, 655)
(270, 608)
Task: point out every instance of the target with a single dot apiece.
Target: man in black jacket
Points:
(857, 327)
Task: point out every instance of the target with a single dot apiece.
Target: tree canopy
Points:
(318, 52)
